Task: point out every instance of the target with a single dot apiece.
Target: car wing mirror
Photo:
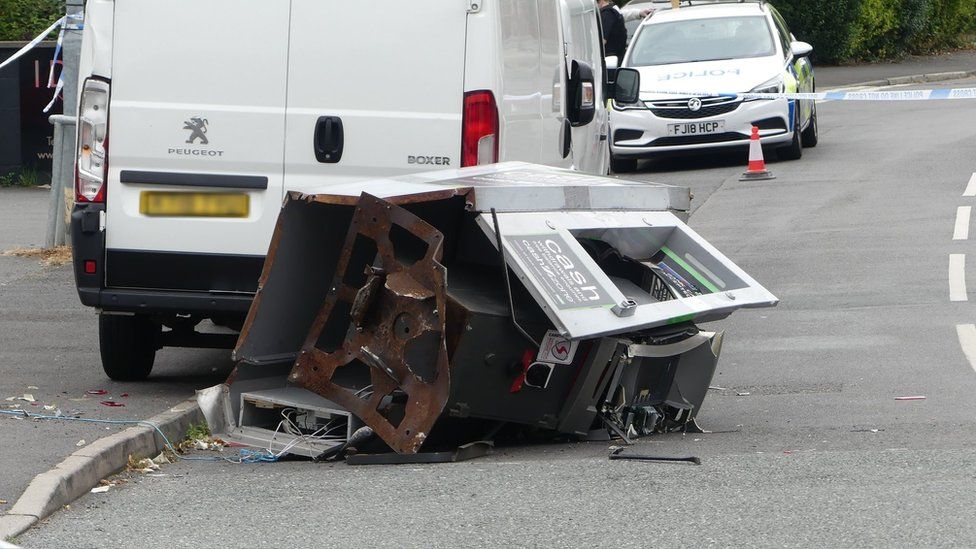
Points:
(626, 87)
(801, 49)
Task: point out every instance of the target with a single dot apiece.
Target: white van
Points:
(196, 116)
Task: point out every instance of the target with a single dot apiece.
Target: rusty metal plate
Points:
(383, 315)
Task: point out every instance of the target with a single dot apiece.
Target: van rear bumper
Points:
(163, 301)
(90, 262)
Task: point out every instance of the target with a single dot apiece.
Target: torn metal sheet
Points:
(385, 314)
(511, 187)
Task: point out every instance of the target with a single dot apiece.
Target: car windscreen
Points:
(701, 40)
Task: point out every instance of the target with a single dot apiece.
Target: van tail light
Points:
(479, 129)
(91, 164)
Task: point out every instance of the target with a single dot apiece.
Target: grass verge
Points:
(52, 257)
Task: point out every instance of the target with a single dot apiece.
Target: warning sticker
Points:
(557, 271)
(557, 349)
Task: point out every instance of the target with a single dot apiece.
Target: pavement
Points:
(49, 350)
(845, 75)
(853, 238)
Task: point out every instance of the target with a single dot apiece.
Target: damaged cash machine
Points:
(432, 307)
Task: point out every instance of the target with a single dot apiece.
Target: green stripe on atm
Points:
(682, 318)
(704, 281)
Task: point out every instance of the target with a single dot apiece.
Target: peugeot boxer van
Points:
(196, 116)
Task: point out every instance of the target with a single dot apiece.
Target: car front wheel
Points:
(811, 135)
(128, 345)
(622, 165)
(794, 150)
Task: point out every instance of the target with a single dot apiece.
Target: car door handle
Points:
(328, 140)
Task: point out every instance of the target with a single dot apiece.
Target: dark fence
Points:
(26, 136)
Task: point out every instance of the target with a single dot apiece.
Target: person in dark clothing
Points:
(614, 31)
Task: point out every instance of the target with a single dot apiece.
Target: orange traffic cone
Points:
(757, 166)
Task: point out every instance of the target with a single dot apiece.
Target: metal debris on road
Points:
(617, 453)
(97, 392)
(919, 397)
(438, 308)
(111, 404)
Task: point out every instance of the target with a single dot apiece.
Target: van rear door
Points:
(374, 88)
(196, 126)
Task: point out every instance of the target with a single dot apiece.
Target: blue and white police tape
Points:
(63, 24)
(894, 95)
(33, 43)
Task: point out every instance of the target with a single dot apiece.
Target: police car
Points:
(711, 51)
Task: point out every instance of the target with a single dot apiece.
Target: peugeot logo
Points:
(198, 130)
(694, 104)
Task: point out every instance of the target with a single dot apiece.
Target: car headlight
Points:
(637, 105)
(774, 85)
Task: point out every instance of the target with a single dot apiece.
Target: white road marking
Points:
(971, 188)
(967, 340)
(961, 231)
(957, 277)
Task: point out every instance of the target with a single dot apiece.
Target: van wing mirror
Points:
(582, 94)
(626, 87)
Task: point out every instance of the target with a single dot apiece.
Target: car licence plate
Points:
(696, 128)
(177, 204)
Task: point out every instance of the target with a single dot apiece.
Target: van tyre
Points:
(128, 346)
(811, 135)
(622, 165)
(793, 151)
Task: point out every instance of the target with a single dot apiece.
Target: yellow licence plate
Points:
(176, 204)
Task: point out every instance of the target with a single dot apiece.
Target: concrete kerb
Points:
(82, 470)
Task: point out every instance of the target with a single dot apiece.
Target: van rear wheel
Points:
(128, 345)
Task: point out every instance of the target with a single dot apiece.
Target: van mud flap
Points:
(384, 313)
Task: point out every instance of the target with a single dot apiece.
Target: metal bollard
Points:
(62, 170)
(62, 174)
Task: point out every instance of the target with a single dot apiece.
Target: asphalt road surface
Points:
(811, 447)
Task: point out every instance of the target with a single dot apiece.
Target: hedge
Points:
(25, 19)
(850, 30)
